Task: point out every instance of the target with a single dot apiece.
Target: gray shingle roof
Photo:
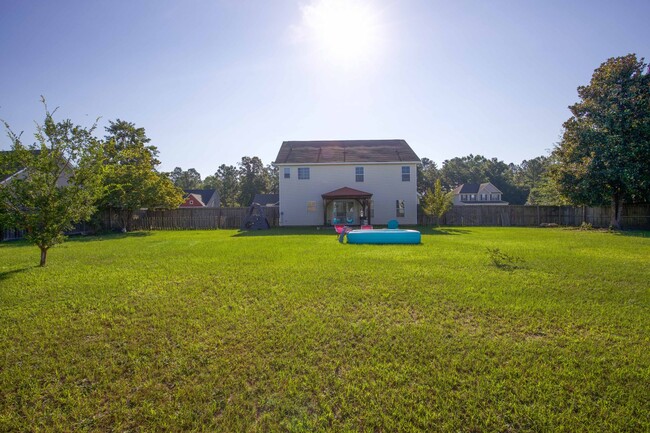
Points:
(209, 197)
(323, 152)
(266, 199)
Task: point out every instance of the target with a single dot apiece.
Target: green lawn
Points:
(288, 330)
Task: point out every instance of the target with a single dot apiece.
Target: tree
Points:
(211, 182)
(253, 179)
(58, 184)
(436, 201)
(272, 179)
(427, 174)
(529, 175)
(186, 179)
(603, 154)
(131, 180)
(227, 183)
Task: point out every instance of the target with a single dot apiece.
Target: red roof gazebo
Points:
(347, 193)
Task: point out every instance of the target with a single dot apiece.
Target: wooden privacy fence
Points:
(186, 219)
(634, 216)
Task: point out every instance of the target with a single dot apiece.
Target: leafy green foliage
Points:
(186, 179)
(131, 180)
(226, 181)
(253, 179)
(427, 173)
(145, 332)
(503, 260)
(58, 184)
(436, 202)
(604, 150)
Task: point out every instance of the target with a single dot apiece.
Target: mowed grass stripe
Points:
(288, 330)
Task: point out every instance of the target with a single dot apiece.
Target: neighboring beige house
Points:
(347, 182)
(477, 194)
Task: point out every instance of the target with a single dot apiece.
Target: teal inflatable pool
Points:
(384, 236)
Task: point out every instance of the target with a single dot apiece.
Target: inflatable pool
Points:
(384, 236)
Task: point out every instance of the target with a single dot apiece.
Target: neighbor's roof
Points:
(205, 195)
(266, 199)
(474, 188)
(324, 152)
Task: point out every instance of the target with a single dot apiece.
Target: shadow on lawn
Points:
(6, 274)
(107, 236)
(445, 231)
(634, 233)
(329, 231)
(284, 231)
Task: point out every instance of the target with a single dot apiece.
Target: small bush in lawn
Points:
(504, 260)
(585, 226)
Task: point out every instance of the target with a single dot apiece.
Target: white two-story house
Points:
(347, 182)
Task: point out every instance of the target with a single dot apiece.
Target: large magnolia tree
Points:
(604, 154)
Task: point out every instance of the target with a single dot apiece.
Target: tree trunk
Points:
(43, 256)
(617, 204)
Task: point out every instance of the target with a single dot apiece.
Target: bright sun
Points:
(345, 31)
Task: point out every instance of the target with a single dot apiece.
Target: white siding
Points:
(383, 181)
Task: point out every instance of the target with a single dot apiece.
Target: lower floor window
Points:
(399, 204)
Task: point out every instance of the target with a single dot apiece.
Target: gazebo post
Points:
(325, 203)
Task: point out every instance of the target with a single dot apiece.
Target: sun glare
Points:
(345, 32)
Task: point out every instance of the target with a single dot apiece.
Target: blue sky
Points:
(212, 81)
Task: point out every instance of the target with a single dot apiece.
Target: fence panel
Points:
(186, 218)
(634, 216)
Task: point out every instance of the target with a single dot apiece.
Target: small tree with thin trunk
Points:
(57, 184)
(436, 202)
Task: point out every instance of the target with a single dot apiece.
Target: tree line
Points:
(526, 183)
(236, 184)
(67, 173)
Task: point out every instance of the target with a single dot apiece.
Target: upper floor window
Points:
(287, 172)
(406, 173)
(358, 174)
(303, 173)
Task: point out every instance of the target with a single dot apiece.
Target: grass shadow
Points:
(107, 236)
(634, 233)
(446, 231)
(287, 231)
(6, 274)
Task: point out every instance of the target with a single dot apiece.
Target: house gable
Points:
(207, 197)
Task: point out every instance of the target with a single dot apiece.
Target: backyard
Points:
(474, 330)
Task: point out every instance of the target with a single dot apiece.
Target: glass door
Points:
(344, 212)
